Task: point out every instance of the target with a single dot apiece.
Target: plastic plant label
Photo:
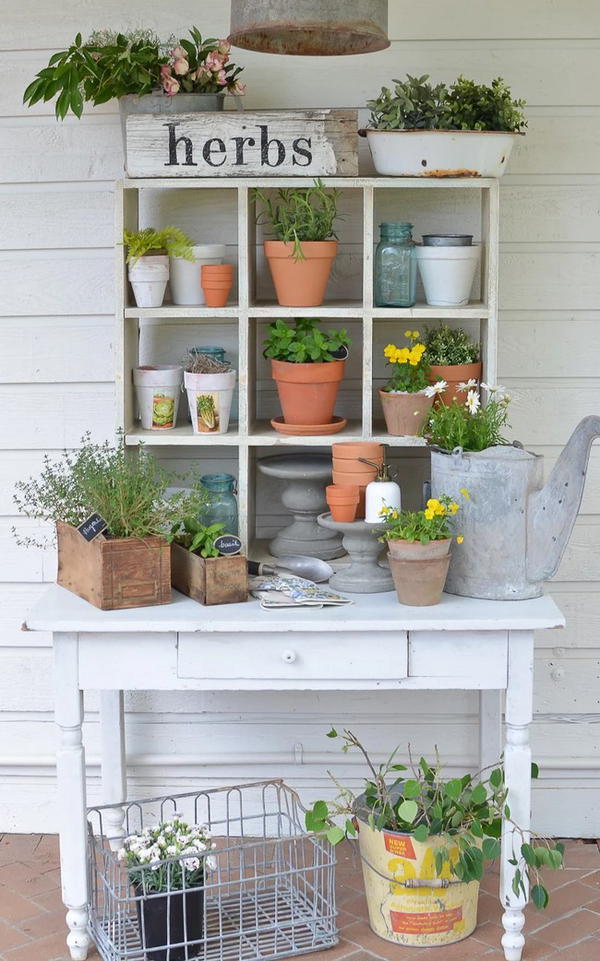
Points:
(228, 544)
(92, 526)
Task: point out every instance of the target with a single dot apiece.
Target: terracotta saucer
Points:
(305, 430)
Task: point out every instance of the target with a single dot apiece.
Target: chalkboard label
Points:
(92, 526)
(228, 544)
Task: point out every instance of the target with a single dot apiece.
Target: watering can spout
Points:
(553, 509)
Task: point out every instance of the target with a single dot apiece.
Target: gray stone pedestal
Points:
(363, 575)
(305, 477)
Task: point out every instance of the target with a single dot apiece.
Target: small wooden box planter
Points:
(114, 574)
(209, 580)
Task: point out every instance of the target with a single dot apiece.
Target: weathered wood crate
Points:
(269, 143)
(209, 580)
(114, 574)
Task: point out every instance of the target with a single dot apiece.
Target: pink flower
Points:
(221, 78)
(170, 86)
(224, 47)
(181, 66)
(238, 89)
(165, 71)
(214, 62)
(178, 53)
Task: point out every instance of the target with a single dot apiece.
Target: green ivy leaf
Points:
(490, 849)
(411, 789)
(408, 811)
(421, 833)
(539, 896)
(335, 835)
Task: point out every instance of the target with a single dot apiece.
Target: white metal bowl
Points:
(440, 153)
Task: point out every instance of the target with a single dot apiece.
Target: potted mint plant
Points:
(467, 129)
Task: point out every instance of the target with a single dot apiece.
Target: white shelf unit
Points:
(222, 210)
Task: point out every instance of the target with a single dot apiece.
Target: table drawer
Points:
(476, 657)
(292, 657)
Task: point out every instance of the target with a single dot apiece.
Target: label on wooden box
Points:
(278, 143)
(228, 544)
(92, 526)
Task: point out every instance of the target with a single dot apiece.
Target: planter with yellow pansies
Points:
(408, 395)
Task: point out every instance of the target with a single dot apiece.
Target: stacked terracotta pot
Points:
(349, 471)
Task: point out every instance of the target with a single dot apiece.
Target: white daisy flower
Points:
(494, 388)
(438, 388)
(211, 862)
(191, 864)
(472, 402)
(464, 386)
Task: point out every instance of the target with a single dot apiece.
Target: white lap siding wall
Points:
(56, 381)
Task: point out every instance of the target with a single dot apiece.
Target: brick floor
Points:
(32, 926)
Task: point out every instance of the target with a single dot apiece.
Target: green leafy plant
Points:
(415, 104)
(172, 240)
(196, 537)
(467, 813)
(410, 368)
(112, 64)
(130, 493)
(296, 215)
(469, 425)
(305, 342)
(433, 523)
(450, 345)
(170, 856)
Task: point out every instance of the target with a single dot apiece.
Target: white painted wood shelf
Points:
(467, 204)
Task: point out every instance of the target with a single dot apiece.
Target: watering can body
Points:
(515, 528)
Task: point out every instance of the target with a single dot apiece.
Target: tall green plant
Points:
(296, 215)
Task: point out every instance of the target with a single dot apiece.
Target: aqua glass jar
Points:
(217, 353)
(395, 271)
(223, 507)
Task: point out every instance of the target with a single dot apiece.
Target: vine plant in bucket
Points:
(465, 812)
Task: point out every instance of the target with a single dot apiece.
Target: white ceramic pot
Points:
(381, 494)
(185, 275)
(440, 153)
(448, 273)
(148, 278)
(158, 389)
(209, 398)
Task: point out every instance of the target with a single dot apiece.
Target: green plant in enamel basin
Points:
(471, 425)
(467, 812)
(302, 214)
(450, 346)
(305, 342)
(171, 240)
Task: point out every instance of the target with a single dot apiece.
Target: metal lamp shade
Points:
(321, 28)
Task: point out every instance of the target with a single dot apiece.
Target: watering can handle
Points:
(412, 882)
(426, 491)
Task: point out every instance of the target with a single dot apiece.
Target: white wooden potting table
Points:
(374, 644)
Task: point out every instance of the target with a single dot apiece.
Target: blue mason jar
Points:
(223, 508)
(217, 353)
(395, 272)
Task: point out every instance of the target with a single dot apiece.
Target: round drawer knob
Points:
(288, 656)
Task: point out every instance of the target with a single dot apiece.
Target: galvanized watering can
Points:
(515, 530)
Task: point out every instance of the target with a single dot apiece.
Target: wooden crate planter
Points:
(114, 574)
(209, 580)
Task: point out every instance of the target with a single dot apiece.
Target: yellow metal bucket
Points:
(401, 910)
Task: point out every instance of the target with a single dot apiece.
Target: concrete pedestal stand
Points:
(363, 575)
(306, 476)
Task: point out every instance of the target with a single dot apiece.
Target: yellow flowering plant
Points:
(433, 523)
(409, 367)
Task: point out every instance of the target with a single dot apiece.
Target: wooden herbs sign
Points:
(290, 143)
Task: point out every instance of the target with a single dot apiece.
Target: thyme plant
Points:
(467, 812)
(450, 346)
(296, 215)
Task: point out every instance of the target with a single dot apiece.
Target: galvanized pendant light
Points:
(321, 28)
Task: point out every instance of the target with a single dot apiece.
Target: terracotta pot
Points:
(453, 374)
(352, 478)
(419, 580)
(307, 392)
(351, 450)
(300, 283)
(405, 413)
(342, 502)
(216, 281)
(414, 551)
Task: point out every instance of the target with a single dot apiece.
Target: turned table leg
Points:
(517, 769)
(114, 771)
(70, 773)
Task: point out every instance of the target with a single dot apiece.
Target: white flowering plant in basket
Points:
(169, 856)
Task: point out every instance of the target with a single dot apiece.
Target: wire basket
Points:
(271, 894)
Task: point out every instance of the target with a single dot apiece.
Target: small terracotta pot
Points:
(307, 392)
(352, 450)
(347, 469)
(405, 413)
(419, 578)
(300, 283)
(354, 479)
(216, 281)
(342, 502)
(454, 374)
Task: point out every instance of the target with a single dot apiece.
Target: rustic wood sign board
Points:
(278, 143)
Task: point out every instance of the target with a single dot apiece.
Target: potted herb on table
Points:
(466, 129)
(407, 397)
(424, 839)
(307, 364)
(148, 253)
(202, 566)
(113, 514)
(167, 867)
(301, 257)
(454, 358)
